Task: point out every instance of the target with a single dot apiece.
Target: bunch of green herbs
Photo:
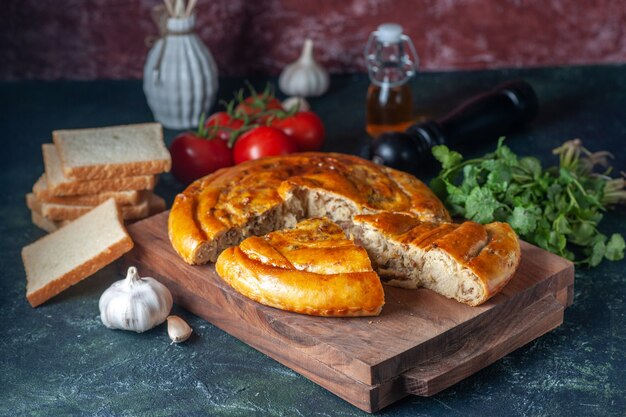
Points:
(558, 208)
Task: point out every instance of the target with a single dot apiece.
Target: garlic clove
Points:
(291, 102)
(304, 77)
(177, 329)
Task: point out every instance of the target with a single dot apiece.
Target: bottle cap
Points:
(389, 32)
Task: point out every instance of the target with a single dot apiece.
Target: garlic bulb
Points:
(291, 102)
(305, 77)
(177, 329)
(135, 303)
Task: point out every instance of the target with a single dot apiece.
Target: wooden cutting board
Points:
(420, 344)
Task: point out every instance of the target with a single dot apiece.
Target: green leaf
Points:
(615, 248)
(456, 195)
(566, 175)
(554, 191)
(540, 237)
(480, 205)
(531, 165)
(562, 203)
(582, 233)
(471, 177)
(524, 220)
(446, 157)
(491, 164)
(561, 225)
(499, 177)
(526, 198)
(597, 253)
(505, 154)
(557, 240)
(511, 197)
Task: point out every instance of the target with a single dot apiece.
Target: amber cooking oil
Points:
(388, 109)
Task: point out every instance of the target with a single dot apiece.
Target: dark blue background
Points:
(60, 360)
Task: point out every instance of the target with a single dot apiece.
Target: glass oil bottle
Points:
(391, 61)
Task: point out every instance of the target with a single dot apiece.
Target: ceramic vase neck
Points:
(181, 25)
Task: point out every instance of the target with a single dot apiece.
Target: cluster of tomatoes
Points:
(250, 128)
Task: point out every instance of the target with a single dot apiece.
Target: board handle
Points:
(483, 347)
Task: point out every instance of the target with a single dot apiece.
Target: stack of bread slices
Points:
(85, 167)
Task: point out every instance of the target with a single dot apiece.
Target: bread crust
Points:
(227, 200)
(312, 269)
(123, 198)
(71, 212)
(58, 185)
(153, 205)
(160, 162)
(110, 171)
(144, 182)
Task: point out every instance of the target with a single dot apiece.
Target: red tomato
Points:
(262, 141)
(258, 103)
(194, 157)
(304, 128)
(221, 125)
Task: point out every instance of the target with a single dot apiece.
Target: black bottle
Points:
(482, 118)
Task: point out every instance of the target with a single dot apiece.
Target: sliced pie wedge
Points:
(468, 262)
(311, 269)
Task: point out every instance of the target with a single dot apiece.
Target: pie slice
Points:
(468, 262)
(311, 269)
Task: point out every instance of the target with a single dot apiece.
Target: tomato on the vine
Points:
(221, 125)
(258, 103)
(251, 127)
(304, 128)
(194, 157)
(262, 141)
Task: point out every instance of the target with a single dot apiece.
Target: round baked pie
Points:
(260, 196)
(314, 268)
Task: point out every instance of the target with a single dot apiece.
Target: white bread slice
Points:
(67, 256)
(46, 224)
(123, 198)
(59, 185)
(58, 212)
(156, 205)
(111, 152)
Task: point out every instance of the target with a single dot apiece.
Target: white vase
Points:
(180, 76)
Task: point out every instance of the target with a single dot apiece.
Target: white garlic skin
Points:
(291, 102)
(305, 77)
(177, 329)
(135, 303)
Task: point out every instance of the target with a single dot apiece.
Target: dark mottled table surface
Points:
(59, 360)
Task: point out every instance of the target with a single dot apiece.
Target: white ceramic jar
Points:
(180, 76)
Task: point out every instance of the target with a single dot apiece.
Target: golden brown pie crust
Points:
(311, 269)
(232, 197)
